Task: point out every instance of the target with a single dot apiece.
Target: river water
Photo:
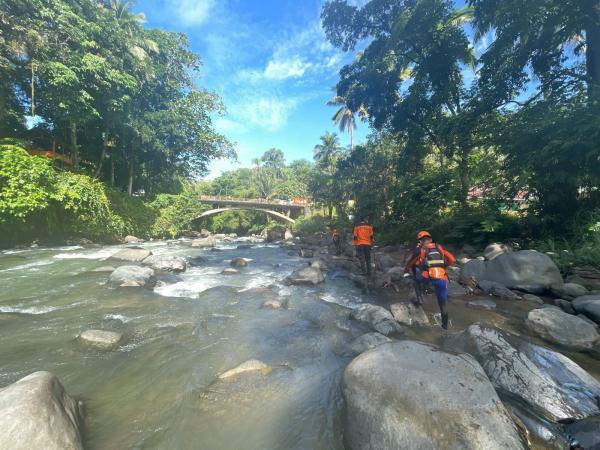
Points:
(160, 389)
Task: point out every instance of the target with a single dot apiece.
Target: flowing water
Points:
(161, 390)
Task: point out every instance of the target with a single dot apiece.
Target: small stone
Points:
(230, 271)
(252, 365)
(103, 269)
(239, 262)
(101, 339)
(533, 298)
(274, 304)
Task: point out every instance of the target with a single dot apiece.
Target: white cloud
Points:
(192, 12)
(286, 68)
(224, 125)
(268, 112)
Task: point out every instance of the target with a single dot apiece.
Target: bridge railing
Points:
(295, 202)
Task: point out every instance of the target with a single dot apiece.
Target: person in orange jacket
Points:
(362, 239)
(428, 264)
(335, 237)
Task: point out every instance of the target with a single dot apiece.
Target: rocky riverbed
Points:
(226, 342)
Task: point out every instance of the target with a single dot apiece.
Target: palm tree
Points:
(328, 148)
(345, 117)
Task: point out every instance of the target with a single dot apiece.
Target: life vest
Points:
(433, 262)
(335, 233)
(363, 235)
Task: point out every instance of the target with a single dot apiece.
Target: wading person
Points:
(428, 263)
(362, 239)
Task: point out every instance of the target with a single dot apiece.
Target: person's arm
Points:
(372, 236)
(354, 235)
(450, 258)
(412, 262)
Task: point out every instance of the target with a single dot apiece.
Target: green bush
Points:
(175, 214)
(311, 225)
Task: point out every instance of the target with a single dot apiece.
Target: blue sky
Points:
(270, 63)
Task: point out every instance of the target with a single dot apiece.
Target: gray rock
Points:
(561, 328)
(494, 250)
(565, 305)
(37, 414)
(207, 242)
(533, 298)
(306, 253)
(142, 276)
(319, 264)
(482, 304)
(166, 263)
(276, 234)
(378, 318)
(546, 380)
(230, 271)
(288, 235)
(368, 341)
(238, 262)
(132, 240)
(396, 273)
(102, 339)
(526, 270)
(131, 255)
(586, 431)
(588, 305)
(455, 289)
(252, 365)
(103, 269)
(497, 290)
(411, 395)
(386, 262)
(568, 291)
(307, 275)
(274, 304)
(409, 314)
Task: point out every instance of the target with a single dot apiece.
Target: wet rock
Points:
(238, 262)
(306, 253)
(587, 276)
(132, 240)
(396, 273)
(252, 365)
(230, 271)
(207, 242)
(319, 264)
(526, 270)
(494, 250)
(386, 262)
(497, 290)
(103, 269)
(102, 339)
(378, 318)
(274, 304)
(561, 328)
(215, 250)
(307, 275)
(565, 305)
(131, 254)
(276, 234)
(244, 246)
(288, 236)
(409, 314)
(368, 341)
(544, 379)
(142, 276)
(166, 263)
(533, 298)
(482, 304)
(588, 305)
(586, 432)
(568, 291)
(411, 395)
(456, 290)
(37, 414)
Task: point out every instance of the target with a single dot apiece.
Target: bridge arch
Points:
(272, 213)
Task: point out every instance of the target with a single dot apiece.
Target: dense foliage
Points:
(486, 118)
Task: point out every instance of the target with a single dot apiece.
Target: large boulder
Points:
(207, 242)
(276, 234)
(494, 250)
(588, 305)
(411, 395)
(238, 262)
(497, 290)
(307, 275)
(132, 240)
(546, 380)
(378, 318)
(558, 327)
(409, 314)
(368, 341)
(568, 291)
(587, 276)
(37, 414)
(586, 432)
(102, 339)
(132, 276)
(288, 235)
(166, 263)
(131, 254)
(527, 270)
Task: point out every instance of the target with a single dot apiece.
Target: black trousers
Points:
(364, 257)
(338, 245)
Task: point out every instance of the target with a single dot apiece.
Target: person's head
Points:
(424, 236)
(364, 220)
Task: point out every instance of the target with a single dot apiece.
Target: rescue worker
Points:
(428, 263)
(335, 237)
(362, 239)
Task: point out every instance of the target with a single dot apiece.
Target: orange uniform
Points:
(335, 233)
(362, 235)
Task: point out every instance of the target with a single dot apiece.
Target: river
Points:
(159, 390)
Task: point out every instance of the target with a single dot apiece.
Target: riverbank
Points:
(163, 383)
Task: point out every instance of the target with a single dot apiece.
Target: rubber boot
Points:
(445, 321)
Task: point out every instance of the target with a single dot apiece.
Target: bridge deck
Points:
(253, 203)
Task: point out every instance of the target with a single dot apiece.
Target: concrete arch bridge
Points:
(283, 210)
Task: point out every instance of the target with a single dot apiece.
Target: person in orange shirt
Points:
(428, 264)
(335, 237)
(362, 239)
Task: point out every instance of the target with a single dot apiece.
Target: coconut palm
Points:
(328, 148)
(345, 117)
